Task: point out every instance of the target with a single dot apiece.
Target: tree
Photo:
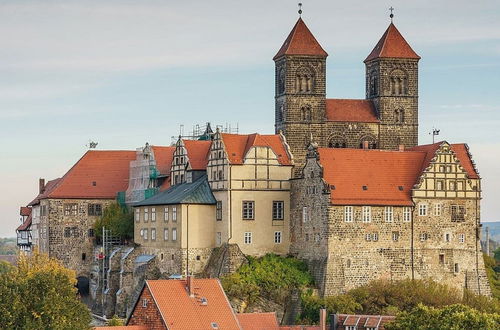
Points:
(39, 293)
(118, 219)
(453, 317)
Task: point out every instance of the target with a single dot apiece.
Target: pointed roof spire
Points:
(392, 45)
(301, 41)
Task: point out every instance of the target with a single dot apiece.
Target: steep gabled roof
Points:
(98, 174)
(49, 186)
(26, 224)
(197, 152)
(237, 146)
(163, 158)
(361, 111)
(180, 311)
(197, 192)
(370, 177)
(258, 321)
(301, 41)
(25, 211)
(392, 45)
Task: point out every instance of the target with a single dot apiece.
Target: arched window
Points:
(306, 113)
(281, 81)
(370, 140)
(304, 80)
(399, 82)
(337, 142)
(373, 84)
(399, 116)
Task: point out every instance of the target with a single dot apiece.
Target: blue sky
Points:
(126, 72)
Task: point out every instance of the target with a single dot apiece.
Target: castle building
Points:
(24, 236)
(360, 215)
(385, 119)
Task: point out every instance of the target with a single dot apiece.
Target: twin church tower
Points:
(386, 119)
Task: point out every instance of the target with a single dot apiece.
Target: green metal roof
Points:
(197, 192)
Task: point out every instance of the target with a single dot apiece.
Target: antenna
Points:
(435, 132)
(92, 144)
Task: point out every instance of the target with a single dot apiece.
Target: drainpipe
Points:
(230, 208)
(187, 241)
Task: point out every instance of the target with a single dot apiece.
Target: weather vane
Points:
(435, 132)
(300, 9)
(391, 15)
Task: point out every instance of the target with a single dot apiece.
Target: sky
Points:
(124, 73)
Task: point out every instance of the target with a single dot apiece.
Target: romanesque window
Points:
(248, 210)
(399, 116)
(306, 113)
(337, 142)
(399, 82)
(370, 140)
(457, 213)
(373, 84)
(389, 214)
(348, 213)
(367, 214)
(281, 81)
(304, 80)
(278, 210)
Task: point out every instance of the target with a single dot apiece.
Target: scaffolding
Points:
(108, 241)
(143, 176)
(204, 132)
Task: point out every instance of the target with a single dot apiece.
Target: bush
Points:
(118, 219)
(492, 266)
(271, 276)
(311, 304)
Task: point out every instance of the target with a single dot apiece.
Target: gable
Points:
(149, 316)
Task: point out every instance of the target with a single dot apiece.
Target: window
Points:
(95, 210)
(146, 214)
(70, 209)
(407, 214)
(218, 210)
(395, 236)
(439, 185)
(145, 234)
(441, 259)
(350, 327)
(375, 237)
(144, 303)
(248, 238)
(174, 234)
(422, 210)
(153, 234)
(457, 213)
(456, 269)
(221, 175)
(165, 214)
(218, 238)
(447, 237)
(348, 213)
(305, 214)
(460, 185)
(438, 208)
(277, 237)
(368, 237)
(461, 238)
(367, 214)
(84, 256)
(248, 210)
(174, 213)
(137, 214)
(389, 216)
(278, 211)
(91, 232)
(452, 185)
(153, 214)
(165, 234)
(70, 232)
(424, 237)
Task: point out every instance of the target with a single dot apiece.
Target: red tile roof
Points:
(301, 41)
(392, 45)
(108, 169)
(163, 158)
(364, 321)
(26, 224)
(258, 321)
(180, 311)
(300, 327)
(237, 146)
(49, 186)
(382, 172)
(362, 111)
(124, 327)
(461, 151)
(25, 211)
(197, 152)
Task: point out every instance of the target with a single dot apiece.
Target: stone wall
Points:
(225, 259)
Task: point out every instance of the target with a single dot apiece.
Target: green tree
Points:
(453, 317)
(118, 219)
(39, 293)
(492, 266)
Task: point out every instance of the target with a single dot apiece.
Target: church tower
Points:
(300, 89)
(392, 85)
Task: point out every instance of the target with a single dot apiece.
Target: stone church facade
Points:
(386, 119)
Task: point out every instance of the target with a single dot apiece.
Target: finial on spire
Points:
(300, 9)
(391, 15)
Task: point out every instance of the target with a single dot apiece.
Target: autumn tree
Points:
(39, 293)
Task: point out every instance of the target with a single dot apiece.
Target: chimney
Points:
(41, 185)
(189, 282)
(365, 144)
(322, 319)
(401, 147)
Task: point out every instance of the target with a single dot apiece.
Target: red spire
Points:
(301, 41)
(393, 45)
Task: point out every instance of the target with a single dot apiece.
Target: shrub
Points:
(118, 219)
